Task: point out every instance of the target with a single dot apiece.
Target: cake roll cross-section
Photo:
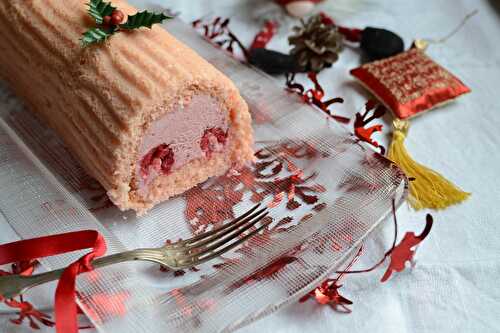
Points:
(143, 113)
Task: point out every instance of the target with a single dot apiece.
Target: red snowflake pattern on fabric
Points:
(268, 271)
(274, 175)
(212, 204)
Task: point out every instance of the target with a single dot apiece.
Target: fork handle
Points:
(14, 285)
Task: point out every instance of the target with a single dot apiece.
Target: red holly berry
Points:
(117, 17)
(106, 19)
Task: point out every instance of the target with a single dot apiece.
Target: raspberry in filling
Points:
(194, 128)
(213, 140)
(160, 159)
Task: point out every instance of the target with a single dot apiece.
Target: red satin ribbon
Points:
(25, 250)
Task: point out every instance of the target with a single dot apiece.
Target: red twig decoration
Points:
(265, 35)
(401, 253)
(361, 120)
(26, 309)
(328, 291)
(314, 96)
(218, 33)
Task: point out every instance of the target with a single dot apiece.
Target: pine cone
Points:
(316, 43)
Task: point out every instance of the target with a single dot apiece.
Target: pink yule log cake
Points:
(142, 112)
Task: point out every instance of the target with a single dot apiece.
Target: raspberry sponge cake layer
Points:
(143, 113)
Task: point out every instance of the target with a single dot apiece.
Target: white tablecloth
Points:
(454, 285)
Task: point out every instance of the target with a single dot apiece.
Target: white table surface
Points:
(454, 286)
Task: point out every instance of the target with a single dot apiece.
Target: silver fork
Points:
(179, 255)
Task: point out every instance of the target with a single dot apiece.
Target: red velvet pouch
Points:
(409, 83)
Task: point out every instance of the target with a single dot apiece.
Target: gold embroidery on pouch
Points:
(411, 75)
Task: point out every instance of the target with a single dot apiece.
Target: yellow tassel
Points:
(429, 189)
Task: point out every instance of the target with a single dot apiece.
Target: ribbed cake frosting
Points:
(143, 113)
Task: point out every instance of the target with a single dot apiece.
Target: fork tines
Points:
(220, 240)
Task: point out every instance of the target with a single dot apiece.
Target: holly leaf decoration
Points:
(96, 35)
(403, 252)
(108, 17)
(143, 19)
(98, 9)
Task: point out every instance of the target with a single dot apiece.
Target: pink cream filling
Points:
(195, 129)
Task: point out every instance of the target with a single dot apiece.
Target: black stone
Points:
(380, 43)
(273, 62)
